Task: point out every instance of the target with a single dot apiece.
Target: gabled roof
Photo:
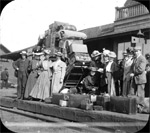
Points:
(2, 47)
(15, 55)
(99, 31)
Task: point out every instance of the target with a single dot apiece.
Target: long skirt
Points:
(126, 87)
(30, 83)
(41, 89)
(56, 85)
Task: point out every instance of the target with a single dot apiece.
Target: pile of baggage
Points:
(126, 105)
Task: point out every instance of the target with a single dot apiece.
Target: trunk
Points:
(56, 97)
(127, 105)
(103, 101)
(76, 99)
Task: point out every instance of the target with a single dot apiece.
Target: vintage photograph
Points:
(75, 66)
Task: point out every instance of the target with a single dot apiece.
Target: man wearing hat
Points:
(4, 78)
(121, 69)
(127, 70)
(89, 82)
(21, 67)
(138, 75)
(147, 56)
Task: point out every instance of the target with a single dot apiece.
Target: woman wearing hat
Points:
(21, 68)
(41, 89)
(97, 63)
(110, 70)
(59, 70)
(33, 74)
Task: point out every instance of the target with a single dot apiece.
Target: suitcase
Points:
(127, 105)
(48, 100)
(56, 97)
(103, 101)
(63, 103)
(75, 100)
(98, 108)
(86, 104)
(93, 98)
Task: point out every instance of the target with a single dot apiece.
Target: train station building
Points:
(131, 20)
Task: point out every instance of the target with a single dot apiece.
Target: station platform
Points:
(112, 119)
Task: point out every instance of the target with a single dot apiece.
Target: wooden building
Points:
(117, 36)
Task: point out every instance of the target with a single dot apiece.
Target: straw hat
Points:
(38, 54)
(93, 69)
(58, 54)
(137, 48)
(124, 52)
(95, 53)
(112, 54)
(105, 51)
(23, 53)
(47, 51)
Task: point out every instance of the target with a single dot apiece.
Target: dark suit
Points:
(139, 78)
(99, 77)
(147, 85)
(22, 75)
(88, 84)
(4, 78)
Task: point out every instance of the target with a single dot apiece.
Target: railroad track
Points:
(53, 122)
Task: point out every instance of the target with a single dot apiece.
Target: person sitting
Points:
(89, 82)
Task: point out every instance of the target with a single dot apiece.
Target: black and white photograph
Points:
(75, 66)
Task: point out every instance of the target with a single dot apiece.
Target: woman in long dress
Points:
(41, 89)
(126, 75)
(33, 74)
(110, 69)
(59, 70)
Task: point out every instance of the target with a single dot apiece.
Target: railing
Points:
(130, 11)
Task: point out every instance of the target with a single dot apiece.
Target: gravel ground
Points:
(23, 124)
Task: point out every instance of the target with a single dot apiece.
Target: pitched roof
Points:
(2, 47)
(99, 31)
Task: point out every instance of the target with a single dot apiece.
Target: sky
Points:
(22, 21)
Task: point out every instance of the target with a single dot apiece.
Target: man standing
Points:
(21, 66)
(138, 75)
(4, 78)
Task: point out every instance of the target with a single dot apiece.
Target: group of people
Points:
(40, 77)
(129, 77)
